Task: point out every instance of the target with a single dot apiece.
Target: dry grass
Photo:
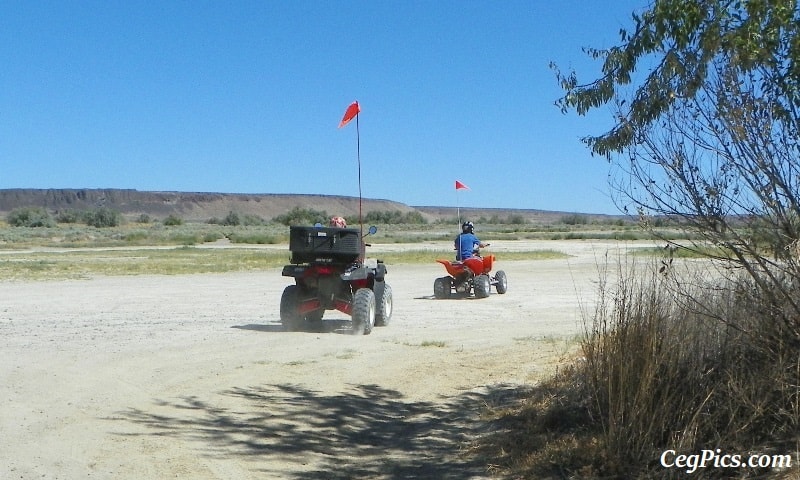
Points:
(82, 263)
(172, 261)
(668, 363)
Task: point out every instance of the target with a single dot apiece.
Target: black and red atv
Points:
(329, 271)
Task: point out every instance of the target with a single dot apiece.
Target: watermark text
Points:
(717, 459)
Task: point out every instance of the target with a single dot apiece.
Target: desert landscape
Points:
(192, 376)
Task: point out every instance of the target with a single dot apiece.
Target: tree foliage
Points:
(709, 135)
(706, 99)
(679, 41)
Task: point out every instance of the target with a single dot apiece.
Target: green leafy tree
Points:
(680, 43)
(709, 134)
(706, 132)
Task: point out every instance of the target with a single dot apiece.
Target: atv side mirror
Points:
(372, 230)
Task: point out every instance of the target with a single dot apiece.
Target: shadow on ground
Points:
(297, 433)
(335, 325)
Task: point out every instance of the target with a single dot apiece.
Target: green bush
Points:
(252, 221)
(232, 219)
(389, 217)
(69, 216)
(253, 238)
(303, 216)
(173, 221)
(212, 236)
(30, 217)
(575, 219)
(103, 218)
(516, 219)
(138, 237)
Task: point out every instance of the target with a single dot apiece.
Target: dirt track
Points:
(151, 377)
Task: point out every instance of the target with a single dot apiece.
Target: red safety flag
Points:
(461, 186)
(350, 114)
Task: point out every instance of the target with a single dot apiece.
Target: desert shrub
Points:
(185, 238)
(212, 236)
(103, 218)
(137, 237)
(574, 219)
(670, 360)
(30, 217)
(303, 216)
(69, 216)
(671, 367)
(253, 238)
(143, 218)
(388, 217)
(515, 219)
(173, 221)
(232, 219)
(252, 220)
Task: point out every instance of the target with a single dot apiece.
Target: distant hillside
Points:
(508, 214)
(204, 206)
(187, 205)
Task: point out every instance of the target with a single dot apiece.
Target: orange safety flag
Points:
(350, 114)
(461, 186)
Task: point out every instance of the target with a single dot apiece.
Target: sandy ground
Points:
(152, 377)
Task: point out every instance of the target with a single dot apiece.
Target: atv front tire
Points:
(385, 306)
(363, 311)
(502, 282)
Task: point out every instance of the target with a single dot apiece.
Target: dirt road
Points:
(152, 377)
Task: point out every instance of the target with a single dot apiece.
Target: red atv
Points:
(468, 277)
(330, 274)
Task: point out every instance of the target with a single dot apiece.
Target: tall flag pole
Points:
(358, 157)
(459, 186)
(352, 112)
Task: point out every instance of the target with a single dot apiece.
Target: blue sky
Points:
(246, 97)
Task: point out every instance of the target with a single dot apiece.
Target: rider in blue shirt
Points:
(467, 243)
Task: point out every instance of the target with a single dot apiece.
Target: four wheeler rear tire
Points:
(502, 282)
(291, 319)
(385, 305)
(363, 311)
(442, 287)
(483, 285)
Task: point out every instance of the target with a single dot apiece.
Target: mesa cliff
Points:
(202, 206)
